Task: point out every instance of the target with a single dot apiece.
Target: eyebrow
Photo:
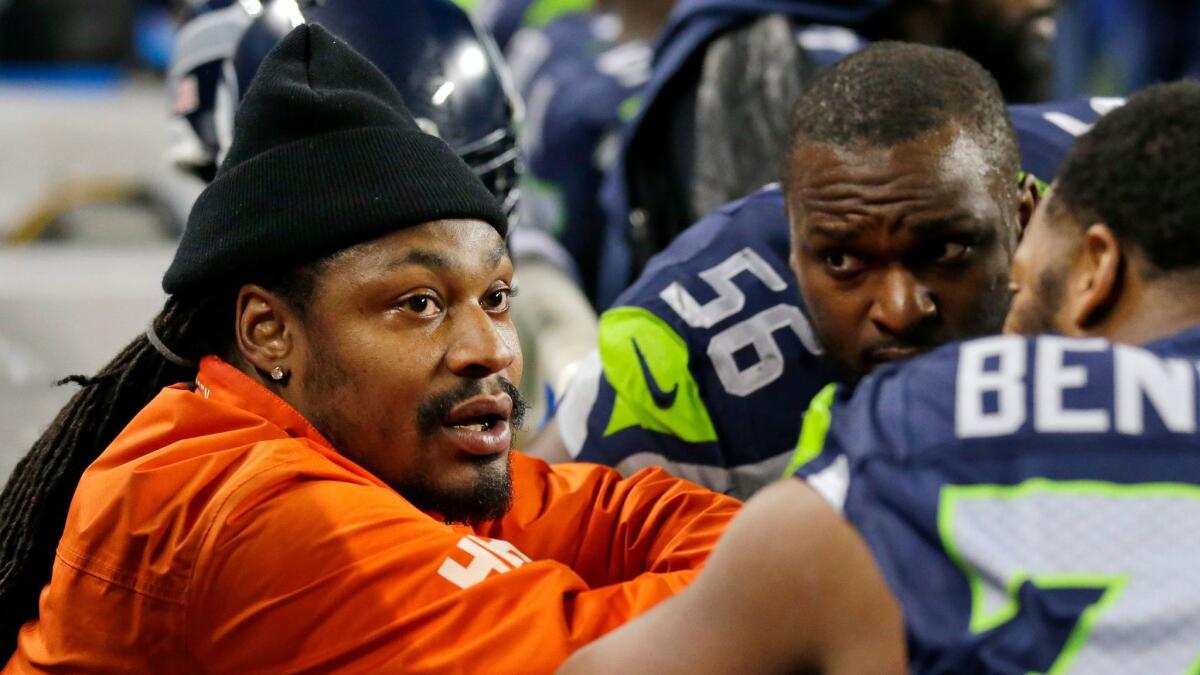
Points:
(958, 224)
(838, 234)
(423, 258)
(497, 254)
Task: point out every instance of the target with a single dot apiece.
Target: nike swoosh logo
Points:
(662, 399)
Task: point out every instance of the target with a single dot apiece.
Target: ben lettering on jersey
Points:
(997, 394)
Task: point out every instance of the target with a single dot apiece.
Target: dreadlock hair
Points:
(34, 503)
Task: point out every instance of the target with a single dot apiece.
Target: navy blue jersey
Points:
(1046, 131)
(743, 434)
(580, 86)
(706, 362)
(1032, 502)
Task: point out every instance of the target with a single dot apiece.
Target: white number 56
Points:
(757, 331)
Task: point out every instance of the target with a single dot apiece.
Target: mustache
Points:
(922, 339)
(433, 411)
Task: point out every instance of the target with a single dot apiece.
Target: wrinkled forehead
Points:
(943, 170)
(450, 248)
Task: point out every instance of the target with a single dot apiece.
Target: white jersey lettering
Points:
(1006, 382)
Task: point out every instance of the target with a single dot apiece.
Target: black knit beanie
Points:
(325, 155)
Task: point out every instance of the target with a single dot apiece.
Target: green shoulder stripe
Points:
(542, 12)
(646, 362)
(814, 430)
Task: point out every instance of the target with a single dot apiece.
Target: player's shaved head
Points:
(892, 92)
(902, 194)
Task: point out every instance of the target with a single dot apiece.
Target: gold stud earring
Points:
(277, 373)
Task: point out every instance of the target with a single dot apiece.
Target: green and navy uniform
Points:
(724, 352)
(1033, 503)
(704, 360)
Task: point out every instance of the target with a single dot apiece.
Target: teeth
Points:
(473, 427)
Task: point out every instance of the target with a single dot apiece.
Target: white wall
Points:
(63, 310)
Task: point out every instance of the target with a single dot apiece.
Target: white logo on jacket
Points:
(487, 556)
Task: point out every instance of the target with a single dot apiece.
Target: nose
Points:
(902, 303)
(481, 344)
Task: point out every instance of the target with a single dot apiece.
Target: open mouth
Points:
(484, 424)
(480, 425)
(480, 413)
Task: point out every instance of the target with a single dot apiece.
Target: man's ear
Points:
(265, 329)
(1031, 196)
(1098, 282)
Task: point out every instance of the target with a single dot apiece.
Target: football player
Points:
(620, 411)
(1007, 504)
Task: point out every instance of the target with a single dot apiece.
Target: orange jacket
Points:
(220, 532)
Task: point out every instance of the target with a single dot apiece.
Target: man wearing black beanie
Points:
(305, 462)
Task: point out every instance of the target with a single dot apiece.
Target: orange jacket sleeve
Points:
(304, 573)
(609, 529)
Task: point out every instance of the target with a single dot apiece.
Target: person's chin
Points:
(497, 459)
(481, 487)
(463, 489)
(456, 472)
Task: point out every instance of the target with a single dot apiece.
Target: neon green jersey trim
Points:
(814, 430)
(1112, 584)
(1042, 186)
(542, 12)
(467, 5)
(629, 108)
(675, 408)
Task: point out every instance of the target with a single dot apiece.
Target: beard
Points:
(1039, 313)
(488, 495)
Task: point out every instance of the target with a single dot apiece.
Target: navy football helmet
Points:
(449, 73)
(208, 33)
